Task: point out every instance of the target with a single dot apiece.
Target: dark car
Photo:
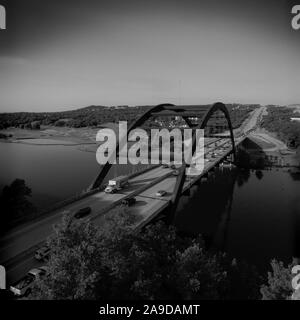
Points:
(82, 212)
(129, 201)
(165, 165)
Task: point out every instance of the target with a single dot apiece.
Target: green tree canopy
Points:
(15, 204)
(112, 262)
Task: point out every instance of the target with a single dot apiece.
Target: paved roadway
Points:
(17, 248)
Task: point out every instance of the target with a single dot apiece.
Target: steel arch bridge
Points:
(188, 113)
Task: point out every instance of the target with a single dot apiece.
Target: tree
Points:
(143, 264)
(75, 270)
(78, 266)
(15, 204)
(279, 286)
(200, 275)
(112, 262)
(259, 174)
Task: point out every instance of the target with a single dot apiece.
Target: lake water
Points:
(53, 172)
(250, 214)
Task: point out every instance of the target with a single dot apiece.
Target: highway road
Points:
(17, 248)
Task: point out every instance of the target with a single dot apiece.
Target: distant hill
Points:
(82, 117)
(93, 116)
(92, 108)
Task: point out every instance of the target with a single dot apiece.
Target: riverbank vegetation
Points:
(5, 136)
(278, 120)
(15, 204)
(112, 262)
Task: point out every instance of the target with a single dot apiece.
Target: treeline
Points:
(84, 117)
(279, 121)
(90, 262)
(96, 115)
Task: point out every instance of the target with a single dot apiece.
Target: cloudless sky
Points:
(62, 54)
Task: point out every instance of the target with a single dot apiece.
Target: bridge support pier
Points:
(176, 194)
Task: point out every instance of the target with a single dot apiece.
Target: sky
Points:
(62, 54)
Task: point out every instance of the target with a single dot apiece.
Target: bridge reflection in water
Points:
(211, 214)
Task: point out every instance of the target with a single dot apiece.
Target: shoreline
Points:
(57, 136)
(274, 147)
(84, 140)
(80, 146)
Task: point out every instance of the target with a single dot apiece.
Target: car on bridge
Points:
(82, 212)
(129, 201)
(116, 184)
(24, 286)
(42, 254)
(161, 193)
(111, 189)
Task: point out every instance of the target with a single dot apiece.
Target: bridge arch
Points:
(218, 106)
(167, 109)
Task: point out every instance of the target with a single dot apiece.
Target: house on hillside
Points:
(295, 119)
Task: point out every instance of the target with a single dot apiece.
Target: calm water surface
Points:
(253, 215)
(53, 172)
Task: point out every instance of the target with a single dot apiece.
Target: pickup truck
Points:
(23, 287)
